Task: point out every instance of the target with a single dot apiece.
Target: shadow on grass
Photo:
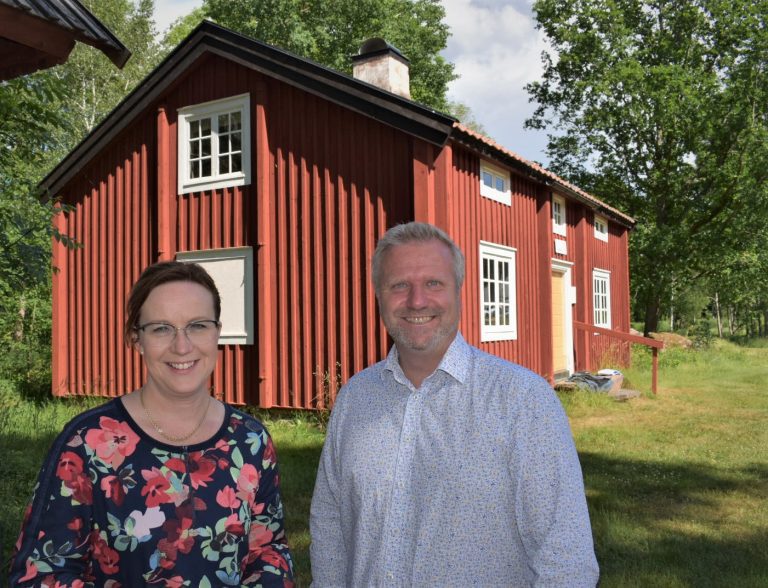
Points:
(661, 524)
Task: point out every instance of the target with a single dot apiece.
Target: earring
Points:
(141, 351)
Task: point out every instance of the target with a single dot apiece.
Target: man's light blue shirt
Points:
(470, 480)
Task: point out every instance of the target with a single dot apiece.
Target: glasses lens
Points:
(201, 331)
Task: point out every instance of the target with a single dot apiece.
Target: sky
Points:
(496, 49)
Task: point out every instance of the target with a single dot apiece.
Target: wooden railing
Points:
(652, 343)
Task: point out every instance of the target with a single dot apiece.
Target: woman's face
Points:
(182, 362)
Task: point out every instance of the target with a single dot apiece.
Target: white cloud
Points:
(167, 11)
(496, 49)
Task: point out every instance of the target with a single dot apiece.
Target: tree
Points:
(660, 107)
(331, 31)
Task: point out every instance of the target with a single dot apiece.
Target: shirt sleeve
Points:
(53, 547)
(268, 562)
(328, 552)
(551, 508)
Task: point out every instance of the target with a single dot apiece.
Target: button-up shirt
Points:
(472, 479)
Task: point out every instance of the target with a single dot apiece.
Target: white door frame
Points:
(569, 299)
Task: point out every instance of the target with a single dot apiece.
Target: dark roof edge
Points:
(406, 115)
(487, 146)
(108, 44)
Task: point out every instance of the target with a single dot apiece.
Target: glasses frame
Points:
(175, 328)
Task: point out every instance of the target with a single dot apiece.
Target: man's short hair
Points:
(415, 232)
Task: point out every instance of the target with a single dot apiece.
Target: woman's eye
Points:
(199, 327)
(161, 329)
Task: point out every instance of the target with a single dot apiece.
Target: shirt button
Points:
(390, 575)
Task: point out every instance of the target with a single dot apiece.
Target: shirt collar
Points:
(455, 362)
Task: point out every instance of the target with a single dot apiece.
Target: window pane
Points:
(223, 123)
(505, 315)
(487, 179)
(194, 149)
(235, 142)
(206, 167)
(205, 126)
(237, 162)
(500, 184)
(223, 164)
(223, 144)
(205, 144)
(236, 120)
(194, 129)
(194, 169)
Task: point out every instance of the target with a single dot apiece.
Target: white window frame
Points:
(497, 174)
(232, 271)
(495, 254)
(601, 228)
(601, 298)
(558, 216)
(212, 110)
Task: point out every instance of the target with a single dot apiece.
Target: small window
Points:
(232, 271)
(214, 145)
(601, 228)
(498, 310)
(558, 215)
(601, 298)
(495, 183)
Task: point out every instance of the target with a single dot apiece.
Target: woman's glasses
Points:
(197, 332)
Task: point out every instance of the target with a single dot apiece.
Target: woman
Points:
(164, 486)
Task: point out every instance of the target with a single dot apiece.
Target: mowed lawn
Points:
(677, 484)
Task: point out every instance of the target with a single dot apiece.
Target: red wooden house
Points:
(279, 175)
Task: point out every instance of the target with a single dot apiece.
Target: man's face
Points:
(419, 300)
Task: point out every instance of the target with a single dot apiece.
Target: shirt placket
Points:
(399, 527)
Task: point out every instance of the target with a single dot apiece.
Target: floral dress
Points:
(115, 508)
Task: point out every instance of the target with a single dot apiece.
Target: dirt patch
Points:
(672, 339)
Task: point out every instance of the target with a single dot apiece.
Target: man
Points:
(443, 465)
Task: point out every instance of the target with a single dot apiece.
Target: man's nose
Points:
(417, 296)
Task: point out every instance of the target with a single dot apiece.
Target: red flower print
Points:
(175, 582)
(75, 524)
(227, 498)
(273, 558)
(82, 489)
(113, 442)
(69, 467)
(113, 489)
(258, 537)
(156, 488)
(31, 570)
(269, 458)
(107, 557)
(176, 464)
(200, 469)
(234, 525)
(247, 483)
(223, 463)
(222, 445)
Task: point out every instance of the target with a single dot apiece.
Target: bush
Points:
(701, 334)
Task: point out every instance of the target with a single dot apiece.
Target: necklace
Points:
(160, 430)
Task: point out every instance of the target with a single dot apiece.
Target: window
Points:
(498, 312)
(558, 215)
(214, 145)
(232, 271)
(601, 228)
(601, 298)
(495, 183)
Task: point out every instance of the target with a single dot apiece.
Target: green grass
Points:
(677, 484)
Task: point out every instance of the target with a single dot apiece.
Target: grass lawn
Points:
(677, 485)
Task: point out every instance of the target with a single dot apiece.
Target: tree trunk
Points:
(652, 305)
(719, 318)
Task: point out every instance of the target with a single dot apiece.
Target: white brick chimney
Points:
(382, 65)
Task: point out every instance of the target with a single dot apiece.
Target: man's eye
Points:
(200, 327)
(434, 283)
(399, 286)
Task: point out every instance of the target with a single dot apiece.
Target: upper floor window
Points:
(495, 183)
(498, 310)
(601, 298)
(558, 215)
(601, 228)
(214, 145)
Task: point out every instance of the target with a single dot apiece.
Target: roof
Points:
(337, 87)
(35, 34)
(404, 114)
(488, 146)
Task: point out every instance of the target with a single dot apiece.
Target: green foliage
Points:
(331, 31)
(701, 334)
(661, 108)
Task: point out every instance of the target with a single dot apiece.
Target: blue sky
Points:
(496, 49)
